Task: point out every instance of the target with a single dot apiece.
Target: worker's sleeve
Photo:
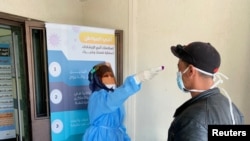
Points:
(110, 101)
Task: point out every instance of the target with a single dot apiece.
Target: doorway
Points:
(14, 103)
(24, 109)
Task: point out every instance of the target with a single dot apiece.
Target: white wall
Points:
(150, 28)
(163, 23)
(62, 11)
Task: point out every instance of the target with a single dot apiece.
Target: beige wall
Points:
(163, 23)
(62, 11)
(150, 28)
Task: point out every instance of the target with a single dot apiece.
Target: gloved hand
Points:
(147, 74)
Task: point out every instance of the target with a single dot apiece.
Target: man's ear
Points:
(192, 70)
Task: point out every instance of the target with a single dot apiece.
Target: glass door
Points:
(14, 113)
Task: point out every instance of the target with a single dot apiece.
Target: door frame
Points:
(40, 125)
(10, 20)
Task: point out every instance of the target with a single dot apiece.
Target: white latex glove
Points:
(147, 74)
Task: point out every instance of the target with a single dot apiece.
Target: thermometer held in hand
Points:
(157, 69)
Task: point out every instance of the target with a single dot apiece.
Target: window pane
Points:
(40, 74)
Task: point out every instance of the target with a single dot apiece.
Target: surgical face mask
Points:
(110, 86)
(182, 87)
(180, 81)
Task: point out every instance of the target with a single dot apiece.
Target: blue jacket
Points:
(106, 113)
(191, 119)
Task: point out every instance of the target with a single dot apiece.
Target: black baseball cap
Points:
(200, 54)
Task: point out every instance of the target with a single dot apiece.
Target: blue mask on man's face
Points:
(181, 84)
(180, 81)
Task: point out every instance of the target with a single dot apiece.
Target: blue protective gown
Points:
(106, 113)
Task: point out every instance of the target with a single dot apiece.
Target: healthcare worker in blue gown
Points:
(105, 105)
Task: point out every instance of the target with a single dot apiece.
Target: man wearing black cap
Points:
(198, 67)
